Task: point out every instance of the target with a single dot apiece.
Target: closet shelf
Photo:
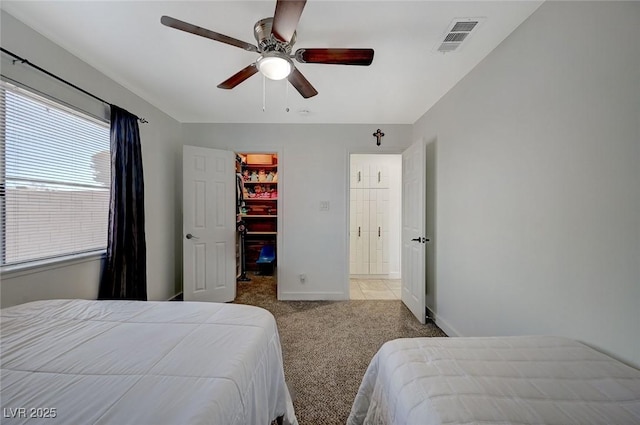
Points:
(264, 182)
(262, 233)
(258, 216)
(260, 199)
(257, 166)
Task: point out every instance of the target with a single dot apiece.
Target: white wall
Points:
(161, 149)
(537, 182)
(312, 167)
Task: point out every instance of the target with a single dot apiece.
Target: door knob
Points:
(420, 239)
(190, 236)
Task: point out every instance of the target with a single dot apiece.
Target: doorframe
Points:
(280, 259)
(347, 283)
(431, 226)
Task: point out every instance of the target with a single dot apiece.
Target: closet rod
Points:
(25, 61)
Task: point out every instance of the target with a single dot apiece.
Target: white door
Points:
(379, 176)
(209, 224)
(379, 231)
(359, 232)
(413, 229)
(356, 178)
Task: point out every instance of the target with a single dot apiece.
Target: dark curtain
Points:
(125, 273)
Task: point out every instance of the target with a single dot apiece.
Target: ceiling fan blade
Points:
(301, 84)
(238, 77)
(203, 32)
(335, 56)
(286, 17)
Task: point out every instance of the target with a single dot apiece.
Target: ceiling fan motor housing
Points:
(267, 42)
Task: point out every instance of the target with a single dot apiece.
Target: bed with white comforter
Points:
(508, 380)
(132, 362)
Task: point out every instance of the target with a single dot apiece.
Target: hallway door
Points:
(413, 229)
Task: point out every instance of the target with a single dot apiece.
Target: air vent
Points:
(448, 47)
(457, 32)
(464, 26)
(455, 37)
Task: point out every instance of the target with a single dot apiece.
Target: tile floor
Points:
(374, 289)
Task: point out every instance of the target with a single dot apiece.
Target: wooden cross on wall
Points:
(378, 135)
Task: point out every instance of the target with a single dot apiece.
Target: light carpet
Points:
(327, 345)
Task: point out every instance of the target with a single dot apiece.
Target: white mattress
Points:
(509, 380)
(132, 362)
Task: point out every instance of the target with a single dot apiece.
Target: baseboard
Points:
(313, 296)
(176, 297)
(430, 314)
(444, 325)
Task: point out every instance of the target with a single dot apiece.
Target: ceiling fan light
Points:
(274, 67)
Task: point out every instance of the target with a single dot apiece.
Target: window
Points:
(54, 179)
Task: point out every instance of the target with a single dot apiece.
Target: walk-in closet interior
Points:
(257, 213)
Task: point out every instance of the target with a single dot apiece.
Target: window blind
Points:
(54, 179)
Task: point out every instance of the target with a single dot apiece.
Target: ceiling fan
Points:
(276, 37)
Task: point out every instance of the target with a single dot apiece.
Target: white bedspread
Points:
(131, 362)
(510, 380)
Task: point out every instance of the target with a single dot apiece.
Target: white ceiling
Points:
(178, 72)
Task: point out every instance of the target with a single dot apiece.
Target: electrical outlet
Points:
(324, 205)
(303, 277)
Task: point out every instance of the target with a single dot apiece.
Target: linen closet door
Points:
(378, 181)
(378, 176)
(378, 231)
(369, 232)
(359, 231)
(369, 219)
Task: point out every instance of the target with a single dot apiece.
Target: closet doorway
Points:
(375, 218)
(213, 207)
(257, 217)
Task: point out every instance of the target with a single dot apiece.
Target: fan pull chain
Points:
(264, 95)
(286, 95)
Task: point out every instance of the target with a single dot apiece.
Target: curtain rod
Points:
(25, 61)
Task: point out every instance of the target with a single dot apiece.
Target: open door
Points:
(209, 224)
(413, 229)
